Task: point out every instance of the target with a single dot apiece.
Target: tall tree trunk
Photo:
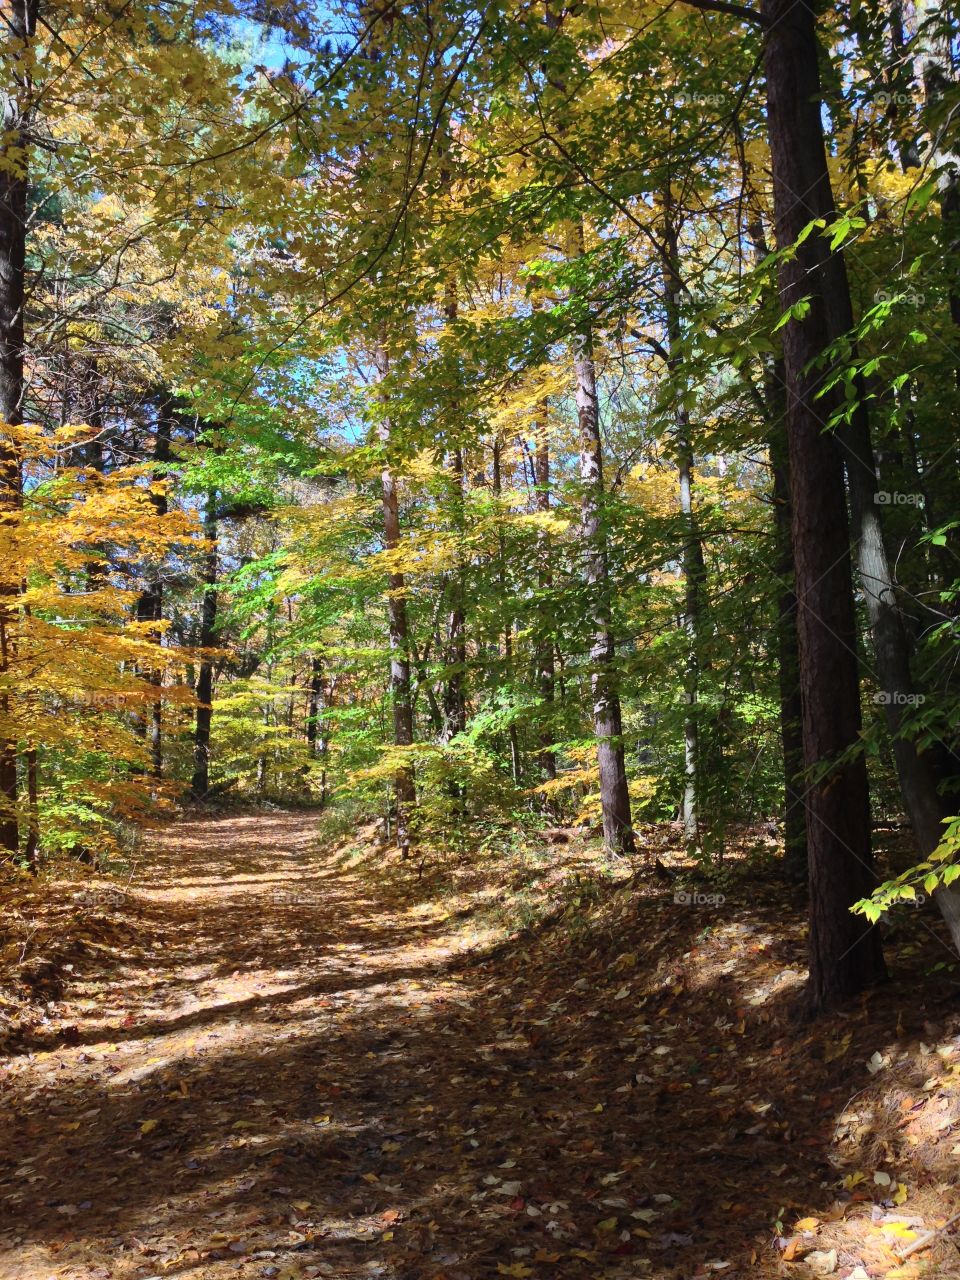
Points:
(454, 701)
(405, 793)
(32, 846)
(693, 576)
(200, 782)
(546, 670)
(607, 717)
(19, 26)
(316, 724)
(774, 405)
(844, 951)
(150, 604)
(515, 767)
(788, 648)
(938, 25)
(694, 568)
(826, 274)
(454, 697)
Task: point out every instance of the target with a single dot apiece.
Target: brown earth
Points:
(267, 1059)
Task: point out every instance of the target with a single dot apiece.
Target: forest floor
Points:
(267, 1058)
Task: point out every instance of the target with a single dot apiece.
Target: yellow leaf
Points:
(608, 1224)
(514, 1269)
(148, 1126)
(900, 1230)
(302, 1205)
(807, 1224)
(370, 1177)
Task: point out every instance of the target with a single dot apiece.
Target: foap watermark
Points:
(897, 698)
(100, 898)
(885, 99)
(902, 297)
(103, 698)
(894, 498)
(684, 899)
(701, 99)
(294, 897)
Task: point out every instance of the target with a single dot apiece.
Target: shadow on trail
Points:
(633, 1099)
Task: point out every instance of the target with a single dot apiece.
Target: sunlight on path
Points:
(181, 1127)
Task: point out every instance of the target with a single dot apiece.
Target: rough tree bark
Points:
(515, 765)
(788, 647)
(804, 183)
(546, 670)
(694, 567)
(200, 782)
(318, 700)
(405, 793)
(454, 697)
(774, 404)
(150, 603)
(844, 951)
(607, 718)
(19, 28)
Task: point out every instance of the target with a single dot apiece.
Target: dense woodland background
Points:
(487, 419)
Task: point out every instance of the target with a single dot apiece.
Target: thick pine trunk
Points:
(607, 718)
(826, 272)
(405, 794)
(200, 783)
(788, 648)
(844, 951)
(774, 405)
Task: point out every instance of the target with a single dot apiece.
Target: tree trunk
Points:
(200, 783)
(788, 649)
(515, 769)
(454, 701)
(938, 26)
(826, 273)
(607, 718)
(405, 793)
(693, 572)
(546, 671)
(844, 951)
(150, 604)
(32, 847)
(316, 725)
(694, 569)
(454, 697)
(15, 103)
(774, 407)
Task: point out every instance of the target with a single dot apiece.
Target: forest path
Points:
(274, 1062)
(237, 1079)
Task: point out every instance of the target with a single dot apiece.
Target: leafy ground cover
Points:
(275, 1057)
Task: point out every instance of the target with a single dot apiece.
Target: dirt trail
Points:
(285, 1065)
(230, 1085)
